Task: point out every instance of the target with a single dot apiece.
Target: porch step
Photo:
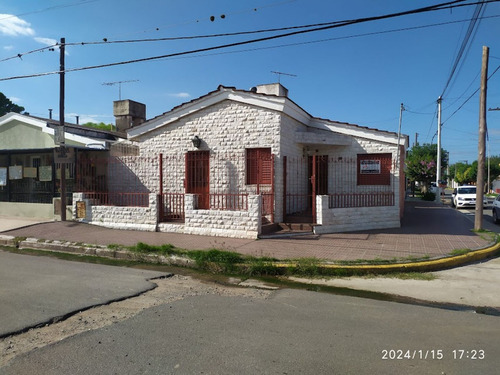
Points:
(285, 229)
(269, 228)
(296, 227)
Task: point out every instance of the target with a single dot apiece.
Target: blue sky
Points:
(358, 73)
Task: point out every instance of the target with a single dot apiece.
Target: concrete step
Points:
(296, 227)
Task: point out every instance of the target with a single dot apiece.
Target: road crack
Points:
(167, 291)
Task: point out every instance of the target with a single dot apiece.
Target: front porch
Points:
(233, 195)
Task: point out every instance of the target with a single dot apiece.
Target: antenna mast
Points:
(119, 83)
(279, 74)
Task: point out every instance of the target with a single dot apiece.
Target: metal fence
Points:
(341, 178)
(114, 180)
(219, 180)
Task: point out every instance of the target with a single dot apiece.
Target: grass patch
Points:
(216, 261)
(18, 240)
(379, 261)
(261, 267)
(405, 276)
(487, 235)
(166, 249)
(458, 252)
(220, 262)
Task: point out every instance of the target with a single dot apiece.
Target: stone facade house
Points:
(238, 163)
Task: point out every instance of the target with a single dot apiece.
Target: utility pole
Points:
(398, 149)
(478, 220)
(61, 125)
(438, 162)
(401, 109)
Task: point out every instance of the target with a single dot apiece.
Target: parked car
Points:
(465, 196)
(442, 186)
(495, 210)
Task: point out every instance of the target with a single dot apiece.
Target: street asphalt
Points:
(39, 290)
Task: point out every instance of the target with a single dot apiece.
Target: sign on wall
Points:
(30, 172)
(45, 173)
(369, 167)
(59, 136)
(16, 172)
(80, 210)
(3, 176)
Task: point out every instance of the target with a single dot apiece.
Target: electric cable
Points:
(472, 27)
(469, 98)
(251, 41)
(106, 41)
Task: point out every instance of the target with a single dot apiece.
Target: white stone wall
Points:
(238, 224)
(335, 220)
(226, 130)
(118, 217)
(225, 223)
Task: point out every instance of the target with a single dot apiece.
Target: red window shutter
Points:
(259, 166)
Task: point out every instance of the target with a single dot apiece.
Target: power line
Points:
(50, 8)
(472, 28)
(441, 6)
(105, 41)
(470, 97)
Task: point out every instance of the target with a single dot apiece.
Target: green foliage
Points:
(7, 106)
(166, 249)
(306, 267)
(466, 174)
(261, 267)
(100, 126)
(216, 261)
(458, 252)
(421, 163)
(429, 196)
(463, 173)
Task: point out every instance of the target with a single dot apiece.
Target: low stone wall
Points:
(223, 223)
(237, 224)
(335, 220)
(118, 217)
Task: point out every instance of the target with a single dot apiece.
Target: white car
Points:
(465, 196)
(495, 210)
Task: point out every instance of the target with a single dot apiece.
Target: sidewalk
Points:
(428, 229)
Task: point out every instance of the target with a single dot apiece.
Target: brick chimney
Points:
(128, 114)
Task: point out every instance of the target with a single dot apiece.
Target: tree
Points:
(100, 126)
(421, 163)
(7, 106)
(466, 174)
(463, 173)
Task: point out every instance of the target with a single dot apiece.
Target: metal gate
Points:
(304, 178)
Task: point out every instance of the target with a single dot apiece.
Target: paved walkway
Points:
(428, 229)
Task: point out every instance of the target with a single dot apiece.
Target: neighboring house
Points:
(237, 163)
(31, 159)
(495, 186)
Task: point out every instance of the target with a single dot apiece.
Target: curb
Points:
(103, 251)
(421, 266)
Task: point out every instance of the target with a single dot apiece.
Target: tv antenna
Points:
(119, 83)
(279, 74)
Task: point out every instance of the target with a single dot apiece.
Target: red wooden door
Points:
(198, 176)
